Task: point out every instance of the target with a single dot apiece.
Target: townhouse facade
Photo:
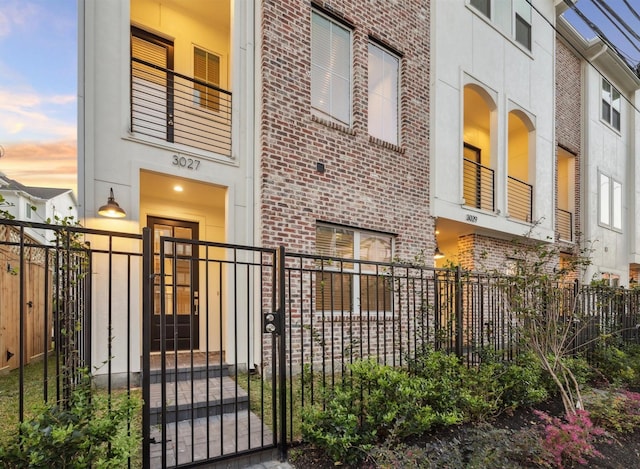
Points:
(293, 123)
(606, 111)
(492, 152)
(364, 130)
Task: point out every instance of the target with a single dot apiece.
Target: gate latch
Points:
(269, 322)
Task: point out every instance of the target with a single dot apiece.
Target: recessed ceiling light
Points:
(178, 188)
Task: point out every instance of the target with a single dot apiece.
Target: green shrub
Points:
(619, 365)
(445, 377)
(374, 403)
(522, 383)
(92, 430)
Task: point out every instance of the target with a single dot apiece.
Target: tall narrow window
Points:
(522, 21)
(383, 94)
(330, 69)
(610, 202)
(484, 6)
(206, 68)
(610, 105)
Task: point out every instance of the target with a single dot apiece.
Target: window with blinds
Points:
(384, 70)
(206, 68)
(344, 285)
(153, 54)
(330, 69)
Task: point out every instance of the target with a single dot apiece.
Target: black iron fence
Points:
(269, 324)
(478, 185)
(564, 224)
(520, 196)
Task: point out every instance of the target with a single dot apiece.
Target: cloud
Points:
(26, 115)
(47, 164)
(17, 14)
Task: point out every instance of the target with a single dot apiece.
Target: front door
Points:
(152, 83)
(180, 297)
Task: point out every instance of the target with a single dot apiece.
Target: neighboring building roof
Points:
(45, 193)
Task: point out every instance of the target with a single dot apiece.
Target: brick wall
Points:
(569, 116)
(367, 184)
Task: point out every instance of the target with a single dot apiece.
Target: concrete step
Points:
(187, 373)
(197, 399)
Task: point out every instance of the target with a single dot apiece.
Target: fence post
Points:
(459, 315)
(282, 353)
(147, 299)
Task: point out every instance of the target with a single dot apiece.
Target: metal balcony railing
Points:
(564, 224)
(179, 109)
(478, 186)
(520, 197)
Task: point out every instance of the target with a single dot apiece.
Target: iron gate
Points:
(216, 396)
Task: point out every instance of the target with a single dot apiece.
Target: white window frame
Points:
(613, 99)
(356, 268)
(610, 202)
(486, 14)
(385, 124)
(328, 110)
(522, 11)
(196, 95)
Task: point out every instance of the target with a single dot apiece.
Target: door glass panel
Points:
(183, 272)
(183, 249)
(162, 230)
(157, 302)
(183, 303)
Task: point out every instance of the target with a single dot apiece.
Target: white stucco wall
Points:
(610, 152)
(469, 48)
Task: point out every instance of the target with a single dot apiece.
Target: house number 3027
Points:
(188, 163)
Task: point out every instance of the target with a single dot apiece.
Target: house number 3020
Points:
(188, 163)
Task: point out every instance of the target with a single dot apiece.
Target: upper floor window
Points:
(522, 22)
(28, 210)
(383, 94)
(610, 105)
(484, 6)
(206, 68)
(610, 202)
(348, 285)
(330, 69)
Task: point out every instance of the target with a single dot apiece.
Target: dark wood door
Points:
(180, 297)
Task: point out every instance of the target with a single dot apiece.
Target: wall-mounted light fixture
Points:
(111, 209)
(437, 254)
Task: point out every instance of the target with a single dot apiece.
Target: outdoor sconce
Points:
(438, 254)
(111, 209)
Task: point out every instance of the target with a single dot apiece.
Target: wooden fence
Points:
(24, 261)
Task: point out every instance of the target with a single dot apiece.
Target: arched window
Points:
(520, 164)
(479, 178)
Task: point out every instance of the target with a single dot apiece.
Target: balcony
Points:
(172, 107)
(564, 224)
(520, 199)
(478, 186)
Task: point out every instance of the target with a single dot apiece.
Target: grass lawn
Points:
(34, 392)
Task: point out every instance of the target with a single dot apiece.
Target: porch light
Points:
(438, 254)
(111, 209)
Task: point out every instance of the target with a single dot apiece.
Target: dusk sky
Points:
(38, 91)
(38, 84)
